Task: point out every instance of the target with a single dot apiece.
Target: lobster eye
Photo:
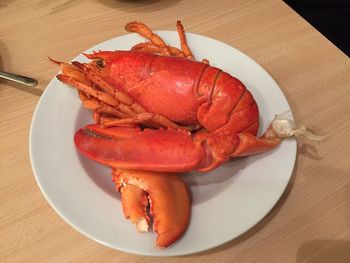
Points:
(100, 63)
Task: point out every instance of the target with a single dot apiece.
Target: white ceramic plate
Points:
(226, 202)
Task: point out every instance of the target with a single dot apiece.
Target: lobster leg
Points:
(143, 118)
(83, 77)
(105, 118)
(146, 32)
(104, 97)
(150, 47)
(186, 50)
(100, 107)
(102, 111)
(72, 70)
(156, 44)
(93, 74)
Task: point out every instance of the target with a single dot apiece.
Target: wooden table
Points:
(311, 222)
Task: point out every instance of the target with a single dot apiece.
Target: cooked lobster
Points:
(161, 114)
(189, 94)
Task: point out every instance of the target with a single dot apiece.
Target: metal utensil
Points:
(18, 78)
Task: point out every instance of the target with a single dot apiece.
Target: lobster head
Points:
(120, 69)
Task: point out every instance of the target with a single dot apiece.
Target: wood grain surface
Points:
(311, 222)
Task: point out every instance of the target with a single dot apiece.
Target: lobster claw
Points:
(169, 202)
(147, 150)
(170, 151)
